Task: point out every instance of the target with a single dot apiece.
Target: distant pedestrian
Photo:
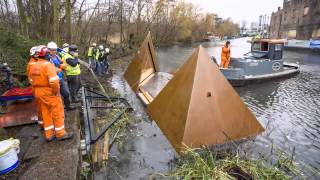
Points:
(99, 60)
(225, 55)
(92, 51)
(107, 58)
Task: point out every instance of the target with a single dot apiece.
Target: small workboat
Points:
(315, 44)
(263, 62)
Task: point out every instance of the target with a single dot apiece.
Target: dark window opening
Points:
(264, 46)
(260, 46)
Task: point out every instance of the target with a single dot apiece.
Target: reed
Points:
(206, 164)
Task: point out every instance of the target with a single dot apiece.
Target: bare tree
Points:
(23, 19)
(68, 18)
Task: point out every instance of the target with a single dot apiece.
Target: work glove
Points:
(72, 61)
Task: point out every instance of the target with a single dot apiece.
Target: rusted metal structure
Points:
(143, 73)
(19, 113)
(195, 106)
(115, 103)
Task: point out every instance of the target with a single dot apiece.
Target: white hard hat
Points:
(33, 50)
(52, 45)
(65, 45)
(94, 44)
(101, 47)
(107, 50)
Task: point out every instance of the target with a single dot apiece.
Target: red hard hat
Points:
(42, 52)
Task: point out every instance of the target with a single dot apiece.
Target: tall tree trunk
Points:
(43, 17)
(23, 18)
(68, 20)
(56, 13)
(140, 6)
(121, 23)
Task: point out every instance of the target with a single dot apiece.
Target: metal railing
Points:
(91, 135)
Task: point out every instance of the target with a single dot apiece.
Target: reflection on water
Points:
(288, 108)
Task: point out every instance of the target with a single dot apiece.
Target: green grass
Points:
(205, 164)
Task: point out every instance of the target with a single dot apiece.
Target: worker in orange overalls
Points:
(32, 62)
(46, 88)
(225, 55)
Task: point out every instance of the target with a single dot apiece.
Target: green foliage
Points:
(14, 49)
(205, 164)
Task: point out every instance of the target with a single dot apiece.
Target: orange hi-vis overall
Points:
(46, 87)
(32, 62)
(225, 57)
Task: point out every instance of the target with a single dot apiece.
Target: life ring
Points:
(276, 66)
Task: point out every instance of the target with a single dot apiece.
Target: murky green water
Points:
(288, 108)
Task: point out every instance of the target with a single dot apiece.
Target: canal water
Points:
(288, 108)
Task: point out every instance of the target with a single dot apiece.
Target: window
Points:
(285, 17)
(292, 34)
(316, 34)
(278, 47)
(260, 46)
(264, 46)
(256, 47)
(306, 10)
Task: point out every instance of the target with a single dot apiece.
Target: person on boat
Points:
(225, 55)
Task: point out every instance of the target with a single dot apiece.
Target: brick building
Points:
(298, 19)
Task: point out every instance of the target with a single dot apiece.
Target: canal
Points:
(288, 108)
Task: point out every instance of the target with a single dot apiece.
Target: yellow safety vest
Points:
(98, 54)
(70, 71)
(90, 52)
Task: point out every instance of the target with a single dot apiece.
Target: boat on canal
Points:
(263, 62)
(315, 44)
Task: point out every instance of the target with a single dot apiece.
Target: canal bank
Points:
(42, 160)
(147, 152)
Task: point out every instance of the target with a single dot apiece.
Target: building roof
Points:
(271, 41)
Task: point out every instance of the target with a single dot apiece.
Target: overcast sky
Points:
(239, 10)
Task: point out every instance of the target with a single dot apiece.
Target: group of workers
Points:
(46, 69)
(98, 58)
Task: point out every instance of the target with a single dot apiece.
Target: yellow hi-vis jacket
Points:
(90, 51)
(69, 70)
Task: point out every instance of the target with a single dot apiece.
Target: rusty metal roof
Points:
(271, 41)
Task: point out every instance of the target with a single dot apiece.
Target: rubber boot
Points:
(50, 139)
(66, 136)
